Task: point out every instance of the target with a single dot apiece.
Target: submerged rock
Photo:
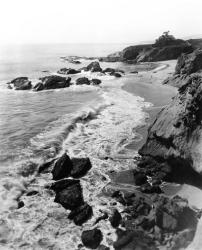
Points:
(66, 71)
(62, 168)
(82, 80)
(116, 74)
(109, 70)
(21, 83)
(94, 67)
(92, 238)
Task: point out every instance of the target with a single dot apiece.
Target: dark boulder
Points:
(66, 71)
(116, 74)
(62, 168)
(96, 81)
(82, 80)
(139, 178)
(81, 214)
(134, 72)
(94, 67)
(109, 70)
(21, 83)
(68, 193)
(115, 219)
(21, 204)
(38, 87)
(92, 238)
(55, 82)
(80, 166)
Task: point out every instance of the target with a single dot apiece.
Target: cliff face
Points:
(175, 134)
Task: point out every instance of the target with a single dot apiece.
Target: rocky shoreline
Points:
(150, 220)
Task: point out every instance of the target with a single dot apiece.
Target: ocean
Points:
(84, 121)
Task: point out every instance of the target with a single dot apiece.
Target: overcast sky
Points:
(97, 21)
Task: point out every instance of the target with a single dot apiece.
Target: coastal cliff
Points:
(165, 48)
(169, 152)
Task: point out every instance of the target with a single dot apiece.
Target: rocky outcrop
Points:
(20, 83)
(55, 82)
(82, 81)
(94, 67)
(95, 81)
(151, 52)
(62, 168)
(69, 191)
(189, 63)
(155, 222)
(92, 238)
(70, 71)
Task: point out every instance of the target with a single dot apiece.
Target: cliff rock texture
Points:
(169, 152)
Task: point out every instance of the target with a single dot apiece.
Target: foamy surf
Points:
(100, 132)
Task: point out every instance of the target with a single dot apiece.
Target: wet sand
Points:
(149, 86)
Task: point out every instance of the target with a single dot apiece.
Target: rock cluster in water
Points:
(61, 81)
(68, 191)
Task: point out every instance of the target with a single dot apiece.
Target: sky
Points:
(93, 21)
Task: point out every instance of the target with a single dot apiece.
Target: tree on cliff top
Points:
(167, 40)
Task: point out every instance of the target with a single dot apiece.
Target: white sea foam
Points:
(100, 132)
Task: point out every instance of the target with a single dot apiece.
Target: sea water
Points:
(83, 121)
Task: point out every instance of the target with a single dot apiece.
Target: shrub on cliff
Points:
(168, 40)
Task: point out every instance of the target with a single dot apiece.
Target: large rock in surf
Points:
(80, 166)
(92, 238)
(81, 214)
(82, 80)
(95, 81)
(65, 167)
(66, 71)
(62, 168)
(55, 82)
(94, 67)
(21, 83)
(68, 193)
